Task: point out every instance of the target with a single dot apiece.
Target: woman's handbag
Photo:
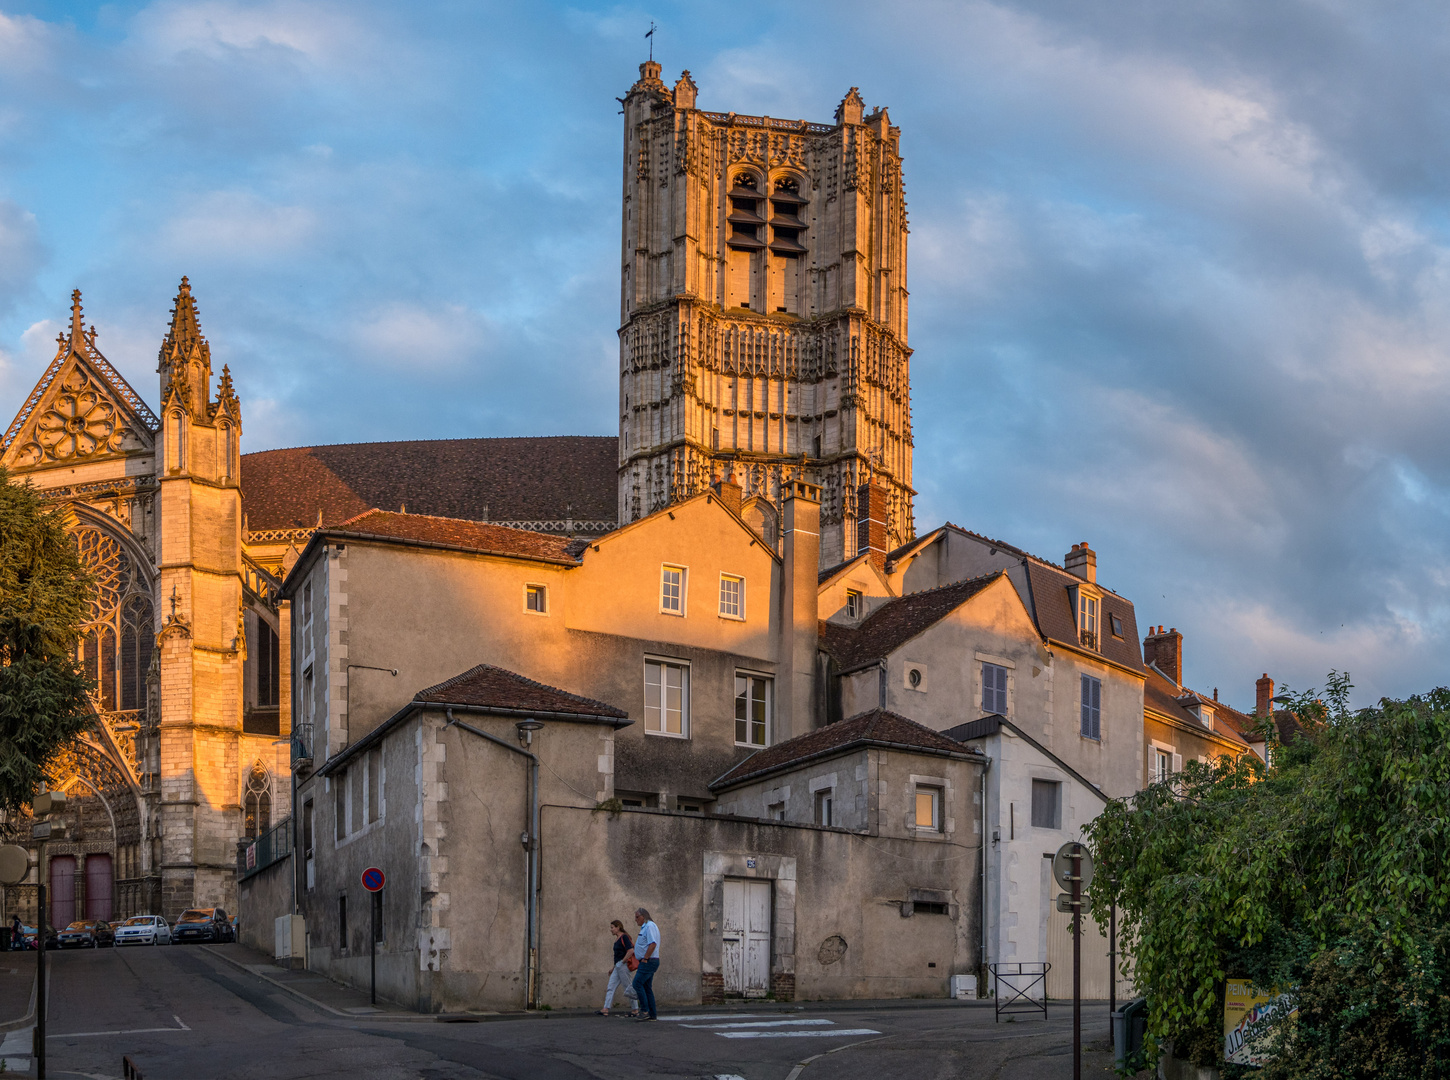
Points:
(631, 961)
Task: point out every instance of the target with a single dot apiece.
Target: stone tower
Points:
(202, 640)
(764, 311)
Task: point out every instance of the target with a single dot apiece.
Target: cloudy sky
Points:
(1179, 272)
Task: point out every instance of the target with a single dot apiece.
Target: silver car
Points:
(143, 930)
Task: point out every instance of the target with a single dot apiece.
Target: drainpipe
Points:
(531, 840)
(986, 764)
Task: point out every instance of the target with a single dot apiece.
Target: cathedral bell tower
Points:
(201, 638)
(764, 311)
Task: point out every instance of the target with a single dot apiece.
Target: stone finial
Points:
(851, 107)
(685, 91)
(77, 322)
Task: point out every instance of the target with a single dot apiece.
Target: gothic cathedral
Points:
(181, 640)
(763, 311)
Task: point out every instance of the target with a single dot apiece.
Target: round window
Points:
(915, 677)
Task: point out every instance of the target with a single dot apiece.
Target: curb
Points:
(312, 1001)
(26, 1020)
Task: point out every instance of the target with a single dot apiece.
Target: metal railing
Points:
(271, 847)
(1019, 980)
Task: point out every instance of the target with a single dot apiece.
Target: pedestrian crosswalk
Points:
(753, 1026)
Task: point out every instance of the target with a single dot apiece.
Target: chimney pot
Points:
(1166, 652)
(1082, 562)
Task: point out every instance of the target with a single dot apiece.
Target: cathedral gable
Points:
(81, 410)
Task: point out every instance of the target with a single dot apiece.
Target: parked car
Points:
(144, 930)
(203, 924)
(86, 934)
(27, 938)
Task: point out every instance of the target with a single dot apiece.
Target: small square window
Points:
(854, 603)
(994, 689)
(1046, 804)
(928, 809)
(732, 597)
(536, 599)
(825, 806)
(1117, 625)
(775, 811)
(672, 590)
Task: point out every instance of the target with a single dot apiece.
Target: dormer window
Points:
(744, 219)
(855, 604)
(1087, 620)
(786, 224)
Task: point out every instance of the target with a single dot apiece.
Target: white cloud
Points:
(236, 225)
(412, 337)
(218, 29)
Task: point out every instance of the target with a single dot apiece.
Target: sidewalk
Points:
(317, 990)
(17, 987)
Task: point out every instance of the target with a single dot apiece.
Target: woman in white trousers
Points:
(620, 977)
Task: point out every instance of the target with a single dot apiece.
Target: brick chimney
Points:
(1082, 561)
(1264, 696)
(871, 523)
(1165, 650)
(729, 492)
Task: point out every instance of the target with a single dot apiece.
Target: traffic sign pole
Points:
(373, 880)
(1076, 964)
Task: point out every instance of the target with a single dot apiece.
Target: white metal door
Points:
(745, 953)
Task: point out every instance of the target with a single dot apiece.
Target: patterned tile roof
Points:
(896, 622)
(489, 687)
(1160, 695)
(875, 728)
(515, 479)
(457, 534)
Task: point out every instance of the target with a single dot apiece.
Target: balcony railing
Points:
(272, 846)
(1089, 639)
(301, 744)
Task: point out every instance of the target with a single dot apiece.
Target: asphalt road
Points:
(184, 1014)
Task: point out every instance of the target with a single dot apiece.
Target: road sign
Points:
(14, 864)
(1064, 903)
(1062, 865)
(48, 830)
(48, 803)
(373, 879)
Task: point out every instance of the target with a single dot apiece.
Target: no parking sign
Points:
(373, 879)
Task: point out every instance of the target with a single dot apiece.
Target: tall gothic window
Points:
(116, 644)
(257, 802)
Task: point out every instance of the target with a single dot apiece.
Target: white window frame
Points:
(739, 581)
(684, 573)
(544, 594)
(1057, 804)
(664, 663)
(769, 681)
(936, 826)
(855, 603)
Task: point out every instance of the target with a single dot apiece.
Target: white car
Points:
(143, 930)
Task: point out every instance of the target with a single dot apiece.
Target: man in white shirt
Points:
(647, 952)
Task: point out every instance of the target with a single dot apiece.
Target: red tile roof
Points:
(896, 622)
(457, 535)
(489, 687)
(517, 479)
(875, 728)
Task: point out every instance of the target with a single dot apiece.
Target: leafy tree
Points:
(44, 594)
(1326, 872)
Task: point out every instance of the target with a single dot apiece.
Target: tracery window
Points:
(257, 802)
(119, 634)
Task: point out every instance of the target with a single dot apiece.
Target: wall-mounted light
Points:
(526, 729)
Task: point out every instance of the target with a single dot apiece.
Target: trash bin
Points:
(1130, 1028)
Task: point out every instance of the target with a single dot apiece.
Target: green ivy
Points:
(1327, 871)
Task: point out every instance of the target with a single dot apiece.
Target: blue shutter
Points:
(1092, 701)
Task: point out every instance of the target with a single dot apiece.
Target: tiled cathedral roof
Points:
(505, 480)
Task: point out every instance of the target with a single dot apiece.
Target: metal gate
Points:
(745, 954)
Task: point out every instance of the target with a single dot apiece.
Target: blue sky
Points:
(1180, 273)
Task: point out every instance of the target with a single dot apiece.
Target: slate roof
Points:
(489, 687)
(1052, 602)
(896, 622)
(515, 479)
(1162, 696)
(875, 728)
(458, 535)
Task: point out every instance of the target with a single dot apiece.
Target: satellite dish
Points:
(1062, 865)
(14, 864)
